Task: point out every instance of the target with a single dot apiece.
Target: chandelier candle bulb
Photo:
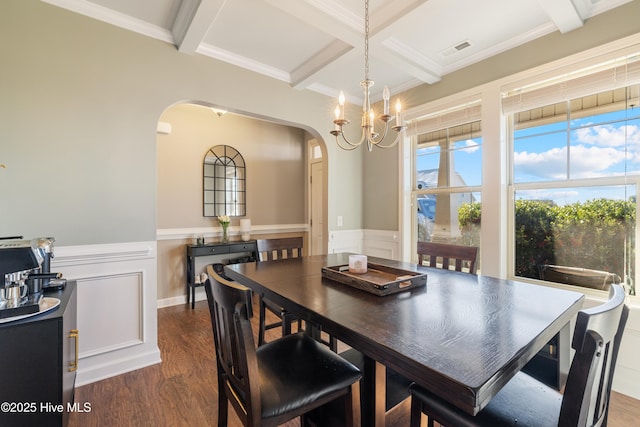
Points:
(385, 98)
(371, 121)
(398, 113)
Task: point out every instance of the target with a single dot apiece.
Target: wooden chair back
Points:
(280, 248)
(443, 255)
(238, 376)
(596, 339)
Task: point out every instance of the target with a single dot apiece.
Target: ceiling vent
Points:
(457, 48)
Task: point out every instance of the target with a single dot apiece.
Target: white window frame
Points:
(496, 233)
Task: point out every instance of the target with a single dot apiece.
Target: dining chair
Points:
(462, 258)
(525, 401)
(279, 381)
(270, 250)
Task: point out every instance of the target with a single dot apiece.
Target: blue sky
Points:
(467, 160)
(599, 146)
(605, 145)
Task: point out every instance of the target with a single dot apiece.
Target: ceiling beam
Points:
(347, 27)
(399, 55)
(329, 17)
(193, 20)
(306, 74)
(563, 13)
(384, 23)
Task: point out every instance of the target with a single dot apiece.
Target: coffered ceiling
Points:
(318, 45)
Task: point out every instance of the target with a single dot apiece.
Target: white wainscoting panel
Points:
(117, 310)
(383, 244)
(345, 241)
(380, 243)
(123, 294)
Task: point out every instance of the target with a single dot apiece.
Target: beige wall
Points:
(79, 105)
(275, 158)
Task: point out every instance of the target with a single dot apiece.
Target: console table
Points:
(210, 249)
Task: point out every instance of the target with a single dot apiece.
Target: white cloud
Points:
(610, 136)
(548, 164)
(594, 150)
(471, 146)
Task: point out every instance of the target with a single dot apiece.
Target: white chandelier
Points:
(368, 115)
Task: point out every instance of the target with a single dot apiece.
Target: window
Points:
(575, 176)
(448, 177)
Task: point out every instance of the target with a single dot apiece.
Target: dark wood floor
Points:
(181, 391)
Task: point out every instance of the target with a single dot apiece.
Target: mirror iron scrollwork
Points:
(224, 182)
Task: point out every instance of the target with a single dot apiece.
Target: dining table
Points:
(460, 336)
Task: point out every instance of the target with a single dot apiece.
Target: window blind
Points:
(444, 120)
(618, 75)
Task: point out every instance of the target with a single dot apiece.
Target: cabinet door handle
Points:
(73, 366)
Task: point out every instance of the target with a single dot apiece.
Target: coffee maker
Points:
(24, 274)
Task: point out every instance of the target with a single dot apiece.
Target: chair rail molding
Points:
(234, 230)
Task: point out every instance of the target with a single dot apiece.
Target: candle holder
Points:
(245, 229)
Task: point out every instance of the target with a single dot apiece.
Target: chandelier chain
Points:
(369, 133)
(366, 40)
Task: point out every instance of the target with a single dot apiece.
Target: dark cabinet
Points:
(215, 248)
(38, 362)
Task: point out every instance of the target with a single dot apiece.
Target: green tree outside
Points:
(597, 234)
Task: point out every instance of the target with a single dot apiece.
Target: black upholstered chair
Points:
(279, 381)
(442, 255)
(526, 402)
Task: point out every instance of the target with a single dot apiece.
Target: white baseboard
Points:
(111, 367)
(169, 302)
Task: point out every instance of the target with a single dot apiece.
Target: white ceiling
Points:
(318, 45)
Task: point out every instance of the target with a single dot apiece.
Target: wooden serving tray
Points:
(379, 279)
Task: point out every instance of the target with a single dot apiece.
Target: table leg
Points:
(373, 393)
(191, 290)
(564, 355)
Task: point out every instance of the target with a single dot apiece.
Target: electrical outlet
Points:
(339, 220)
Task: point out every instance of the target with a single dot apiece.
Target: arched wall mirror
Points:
(224, 182)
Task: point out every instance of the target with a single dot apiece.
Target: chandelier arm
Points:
(357, 144)
(395, 141)
(345, 147)
(381, 138)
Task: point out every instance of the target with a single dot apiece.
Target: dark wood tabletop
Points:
(461, 336)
